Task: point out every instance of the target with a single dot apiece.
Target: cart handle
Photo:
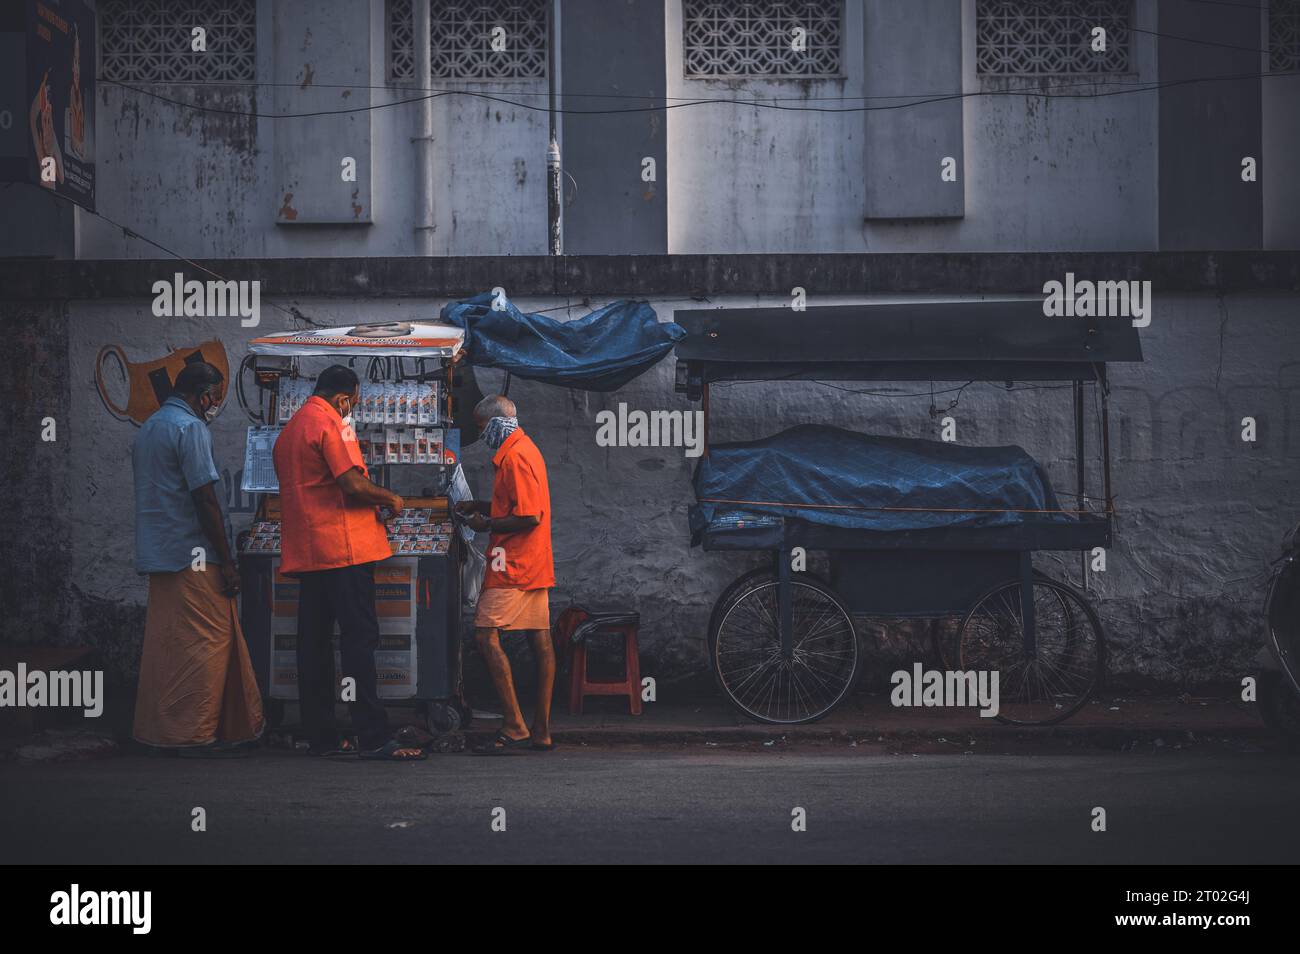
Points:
(812, 506)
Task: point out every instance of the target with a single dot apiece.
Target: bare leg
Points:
(489, 644)
(544, 650)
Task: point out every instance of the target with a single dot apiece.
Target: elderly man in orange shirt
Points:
(332, 535)
(520, 571)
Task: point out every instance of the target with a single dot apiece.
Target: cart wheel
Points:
(1279, 706)
(945, 639)
(1069, 654)
(442, 718)
(742, 581)
(466, 714)
(273, 711)
(745, 650)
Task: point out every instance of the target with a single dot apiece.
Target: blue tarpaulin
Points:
(601, 351)
(828, 475)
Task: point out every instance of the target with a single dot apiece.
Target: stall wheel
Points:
(1049, 679)
(273, 711)
(745, 650)
(443, 717)
(1279, 705)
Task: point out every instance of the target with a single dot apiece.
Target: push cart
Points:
(1277, 676)
(404, 422)
(782, 642)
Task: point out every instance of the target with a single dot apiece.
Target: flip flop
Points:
(388, 753)
(411, 737)
(504, 745)
(543, 746)
(343, 747)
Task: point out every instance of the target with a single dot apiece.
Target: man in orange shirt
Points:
(520, 570)
(331, 537)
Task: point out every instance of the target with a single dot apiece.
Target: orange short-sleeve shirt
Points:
(320, 527)
(520, 488)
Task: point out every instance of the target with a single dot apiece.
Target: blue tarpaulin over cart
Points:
(601, 351)
(841, 478)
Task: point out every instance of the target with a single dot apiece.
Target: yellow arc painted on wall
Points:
(149, 383)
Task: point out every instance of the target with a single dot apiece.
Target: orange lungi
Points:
(196, 681)
(506, 608)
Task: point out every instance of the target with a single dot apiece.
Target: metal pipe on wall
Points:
(424, 225)
(554, 197)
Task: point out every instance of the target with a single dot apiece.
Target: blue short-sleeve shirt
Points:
(172, 457)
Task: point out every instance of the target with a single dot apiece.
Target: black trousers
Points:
(345, 595)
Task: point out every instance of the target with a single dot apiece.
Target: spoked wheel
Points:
(1057, 678)
(1279, 705)
(1283, 610)
(745, 650)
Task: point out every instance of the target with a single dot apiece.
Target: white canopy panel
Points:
(406, 339)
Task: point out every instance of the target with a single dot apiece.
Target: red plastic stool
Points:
(575, 627)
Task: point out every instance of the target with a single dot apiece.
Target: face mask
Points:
(347, 418)
(497, 430)
(210, 414)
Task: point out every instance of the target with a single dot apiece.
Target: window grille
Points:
(759, 40)
(149, 41)
(462, 35)
(1051, 37)
(1284, 36)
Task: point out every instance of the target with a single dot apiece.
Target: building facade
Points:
(714, 154)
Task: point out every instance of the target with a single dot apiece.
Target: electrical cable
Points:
(1190, 39)
(1039, 91)
(129, 232)
(1097, 79)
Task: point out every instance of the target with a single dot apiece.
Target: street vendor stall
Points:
(913, 528)
(404, 424)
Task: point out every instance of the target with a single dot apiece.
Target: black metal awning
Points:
(912, 341)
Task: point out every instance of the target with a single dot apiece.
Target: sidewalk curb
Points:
(1103, 737)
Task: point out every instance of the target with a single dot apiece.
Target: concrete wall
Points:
(912, 50)
(1053, 172)
(1281, 110)
(37, 583)
(1040, 172)
(614, 50)
(1202, 512)
(1207, 130)
(208, 184)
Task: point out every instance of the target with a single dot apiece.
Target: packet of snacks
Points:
(421, 404)
(399, 416)
(359, 415)
(429, 403)
(412, 402)
(392, 446)
(390, 404)
(284, 400)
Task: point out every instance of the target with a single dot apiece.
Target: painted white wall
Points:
(203, 184)
(1058, 173)
(1042, 174)
(1201, 512)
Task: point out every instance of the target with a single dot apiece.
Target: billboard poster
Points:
(59, 112)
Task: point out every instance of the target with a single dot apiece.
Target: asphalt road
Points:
(679, 805)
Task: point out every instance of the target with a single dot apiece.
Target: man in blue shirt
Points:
(197, 689)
